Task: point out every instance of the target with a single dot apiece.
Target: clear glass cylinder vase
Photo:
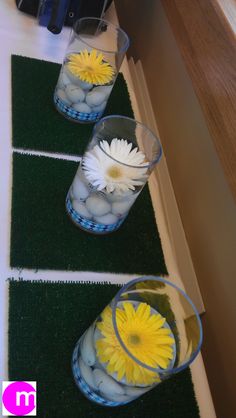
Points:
(93, 57)
(120, 156)
(150, 331)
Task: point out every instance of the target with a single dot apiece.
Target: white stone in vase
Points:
(73, 78)
(121, 208)
(118, 197)
(80, 190)
(83, 178)
(84, 85)
(81, 209)
(108, 219)
(87, 348)
(97, 206)
(63, 80)
(74, 93)
(82, 107)
(99, 108)
(131, 199)
(97, 335)
(106, 90)
(95, 98)
(135, 392)
(62, 96)
(76, 80)
(107, 385)
(81, 175)
(86, 374)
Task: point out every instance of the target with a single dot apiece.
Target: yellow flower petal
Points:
(90, 67)
(121, 372)
(129, 310)
(145, 334)
(110, 368)
(143, 311)
(165, 353)
(165, 340)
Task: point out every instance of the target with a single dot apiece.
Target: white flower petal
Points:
(105, 173)
(105, 146)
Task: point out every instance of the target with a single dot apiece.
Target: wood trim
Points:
(206, 40)
(175, 247)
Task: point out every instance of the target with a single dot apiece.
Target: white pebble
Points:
(97, 335)
(87, 348)
(106, 90)
(73, 79)
(80, 174)
(74, 93)
(95, 98)
(99, 108)
(62, 95)
(106, 384)
(82, 107)
(118, 197)
(108, 219)
(63, 80)
(131, 199)
(120, 208)
(135, 392)
(76, 80)
(81, 209)
(84, 85)
(80, 190)
(86, 374)
(97, 206)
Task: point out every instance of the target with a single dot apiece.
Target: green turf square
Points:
(45, 322)
(36, 124)
(43, 236)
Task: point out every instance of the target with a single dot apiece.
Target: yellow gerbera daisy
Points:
(146, 336)
(90, 67)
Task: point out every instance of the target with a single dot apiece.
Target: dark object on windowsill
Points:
(55, 13)
(28, 6)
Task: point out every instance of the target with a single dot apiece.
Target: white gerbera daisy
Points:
(115, 166)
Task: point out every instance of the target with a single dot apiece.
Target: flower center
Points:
(134, 339)
(114, 172)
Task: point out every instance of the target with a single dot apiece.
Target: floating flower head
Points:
(90, 67)
(115, 166)
(146, 337)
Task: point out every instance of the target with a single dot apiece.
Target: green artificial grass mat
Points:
(45, 322)
(44, 237)
(36, 123)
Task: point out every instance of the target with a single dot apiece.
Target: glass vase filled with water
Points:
(150, 331)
